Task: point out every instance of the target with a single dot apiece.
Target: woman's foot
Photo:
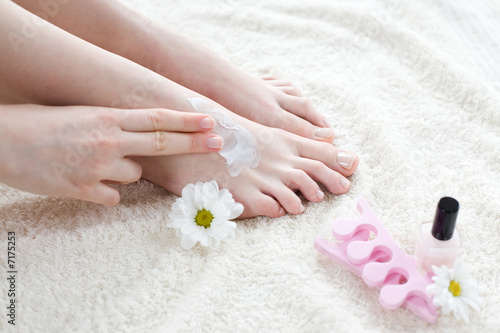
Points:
(273, 102)
(288, 164)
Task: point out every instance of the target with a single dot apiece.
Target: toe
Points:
(268, 77)
(291, 90)
(259, 204)
(286, 197)
(333, 181)
(302, 107)
(341, 161)
(303, 128)
(301, 181)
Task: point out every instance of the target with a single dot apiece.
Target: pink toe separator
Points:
(379, 262)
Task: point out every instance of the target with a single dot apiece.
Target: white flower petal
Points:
(213, 242)
(231, 236)
(188, 241)
(189, 228)
(217, 232)
(203, 238)
(462, 311)
(236, 210)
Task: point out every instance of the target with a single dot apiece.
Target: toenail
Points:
(282, 211)
(320, 195)
(344, 182)
(301, 209)
(326, 123)
(214, 142)
(345, 159)
(323, 132)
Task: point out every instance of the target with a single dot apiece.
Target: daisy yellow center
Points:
(204, 218)
(455, 288)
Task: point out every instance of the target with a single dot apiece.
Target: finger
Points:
(151, 120)
(101, 194)
(341, 161)
(123, 171)
(166, 143)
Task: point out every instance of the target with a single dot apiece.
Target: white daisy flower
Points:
(455, 290)
(203, 215)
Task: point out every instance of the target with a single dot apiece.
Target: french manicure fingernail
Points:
(301, 209)
(215, 142)
(344, 182)
(320, 195)
(345, 159)
(207, 123)
(323, 132)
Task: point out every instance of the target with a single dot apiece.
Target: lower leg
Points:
(116, 28)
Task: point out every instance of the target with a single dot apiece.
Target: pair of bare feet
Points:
(155, 67)
(290, 162)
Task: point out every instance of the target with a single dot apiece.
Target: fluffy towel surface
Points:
(410, 86)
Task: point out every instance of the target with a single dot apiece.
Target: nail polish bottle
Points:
(438, 242)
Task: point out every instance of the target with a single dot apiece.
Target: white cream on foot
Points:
(239, 149)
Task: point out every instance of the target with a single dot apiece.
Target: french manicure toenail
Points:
(326, 123)
(346, 159)
(215, 142)
(301, 209)
(207, 123)
(320, 195)
(344, 182)
(323, 132)
(282, 211)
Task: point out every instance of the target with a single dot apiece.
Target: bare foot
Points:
(289, 163)
(275, 103)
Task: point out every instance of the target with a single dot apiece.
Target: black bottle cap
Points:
(445, 219)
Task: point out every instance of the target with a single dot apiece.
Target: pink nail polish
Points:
(438, 242)
(207, 123)
(215, 142)
(323, 132)
(344, 182)
(346, 159)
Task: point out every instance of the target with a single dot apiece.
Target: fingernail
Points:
(320, 195)
(345, 159)
(326, 123)
(282, 211)
(301, 209)
(323, 132)
(344, 182)
(207, 123)
(215, 142)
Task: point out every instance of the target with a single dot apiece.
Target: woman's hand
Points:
(74, 151)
